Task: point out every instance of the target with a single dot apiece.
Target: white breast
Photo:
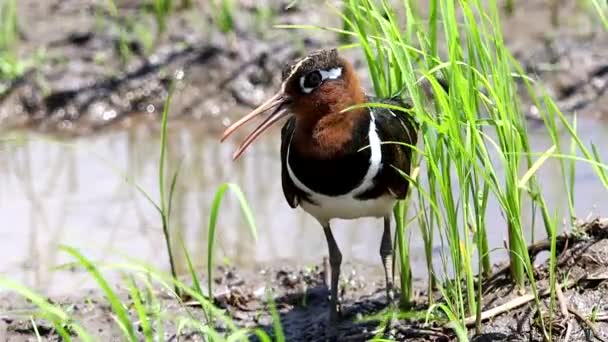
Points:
(347, 206)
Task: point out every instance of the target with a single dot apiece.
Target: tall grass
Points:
(474, 143)
(167, 192)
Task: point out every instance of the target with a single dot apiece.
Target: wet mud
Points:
(84, 83)
(301, 299)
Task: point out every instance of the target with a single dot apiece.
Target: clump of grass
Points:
(124, 29)
(223, 14)
(12, 65)
(161, 9)
(475, 143)
(345, 37)
(144, 28)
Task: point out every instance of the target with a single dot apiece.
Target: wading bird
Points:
(338, 160)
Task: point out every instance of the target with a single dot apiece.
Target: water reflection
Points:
(71, 193)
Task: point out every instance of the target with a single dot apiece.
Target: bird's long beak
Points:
(276, 104)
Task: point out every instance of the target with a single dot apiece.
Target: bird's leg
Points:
(386, 254)
(335, 259)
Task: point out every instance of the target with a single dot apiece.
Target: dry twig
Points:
(588, 323)
(563, 306)
(515, 303)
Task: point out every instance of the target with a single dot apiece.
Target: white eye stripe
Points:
(330, 74)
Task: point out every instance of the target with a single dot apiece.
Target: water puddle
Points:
(74, 193)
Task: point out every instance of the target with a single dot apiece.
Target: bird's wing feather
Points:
(396, 130)
(289, 189)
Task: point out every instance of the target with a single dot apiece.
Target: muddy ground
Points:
(83, 82)
(301, 299)
(84, 85)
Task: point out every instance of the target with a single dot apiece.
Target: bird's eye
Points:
(312, 80)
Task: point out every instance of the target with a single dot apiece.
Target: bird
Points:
(340, 158)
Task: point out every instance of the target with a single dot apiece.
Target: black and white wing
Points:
(291, 192)
(397, 131)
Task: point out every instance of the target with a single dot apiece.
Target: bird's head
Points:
(316, 85)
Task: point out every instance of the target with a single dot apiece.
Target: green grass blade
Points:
(164, 206)
(602, 12)
(215, 209)
(279, 335)
(118, 307)
(136, 299)
(532, 170)
(48, 311)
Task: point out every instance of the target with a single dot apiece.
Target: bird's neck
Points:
(330, 135)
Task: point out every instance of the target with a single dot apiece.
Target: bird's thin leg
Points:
(386, 254)
(335, 259)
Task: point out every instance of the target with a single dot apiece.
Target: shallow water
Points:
(74, 193)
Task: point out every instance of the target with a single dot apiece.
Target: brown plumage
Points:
(323, 125)
(337, 163)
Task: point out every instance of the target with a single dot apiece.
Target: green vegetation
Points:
(8, 27)
(509, 6)
(222, 12)
(133, 29)
(59, 319)
(161, 9)
(143, 283)
(146, 26)
(474, 149)
(602, 11)
(166, 200)
(477, 128)
(143, 305)
(12, 66)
